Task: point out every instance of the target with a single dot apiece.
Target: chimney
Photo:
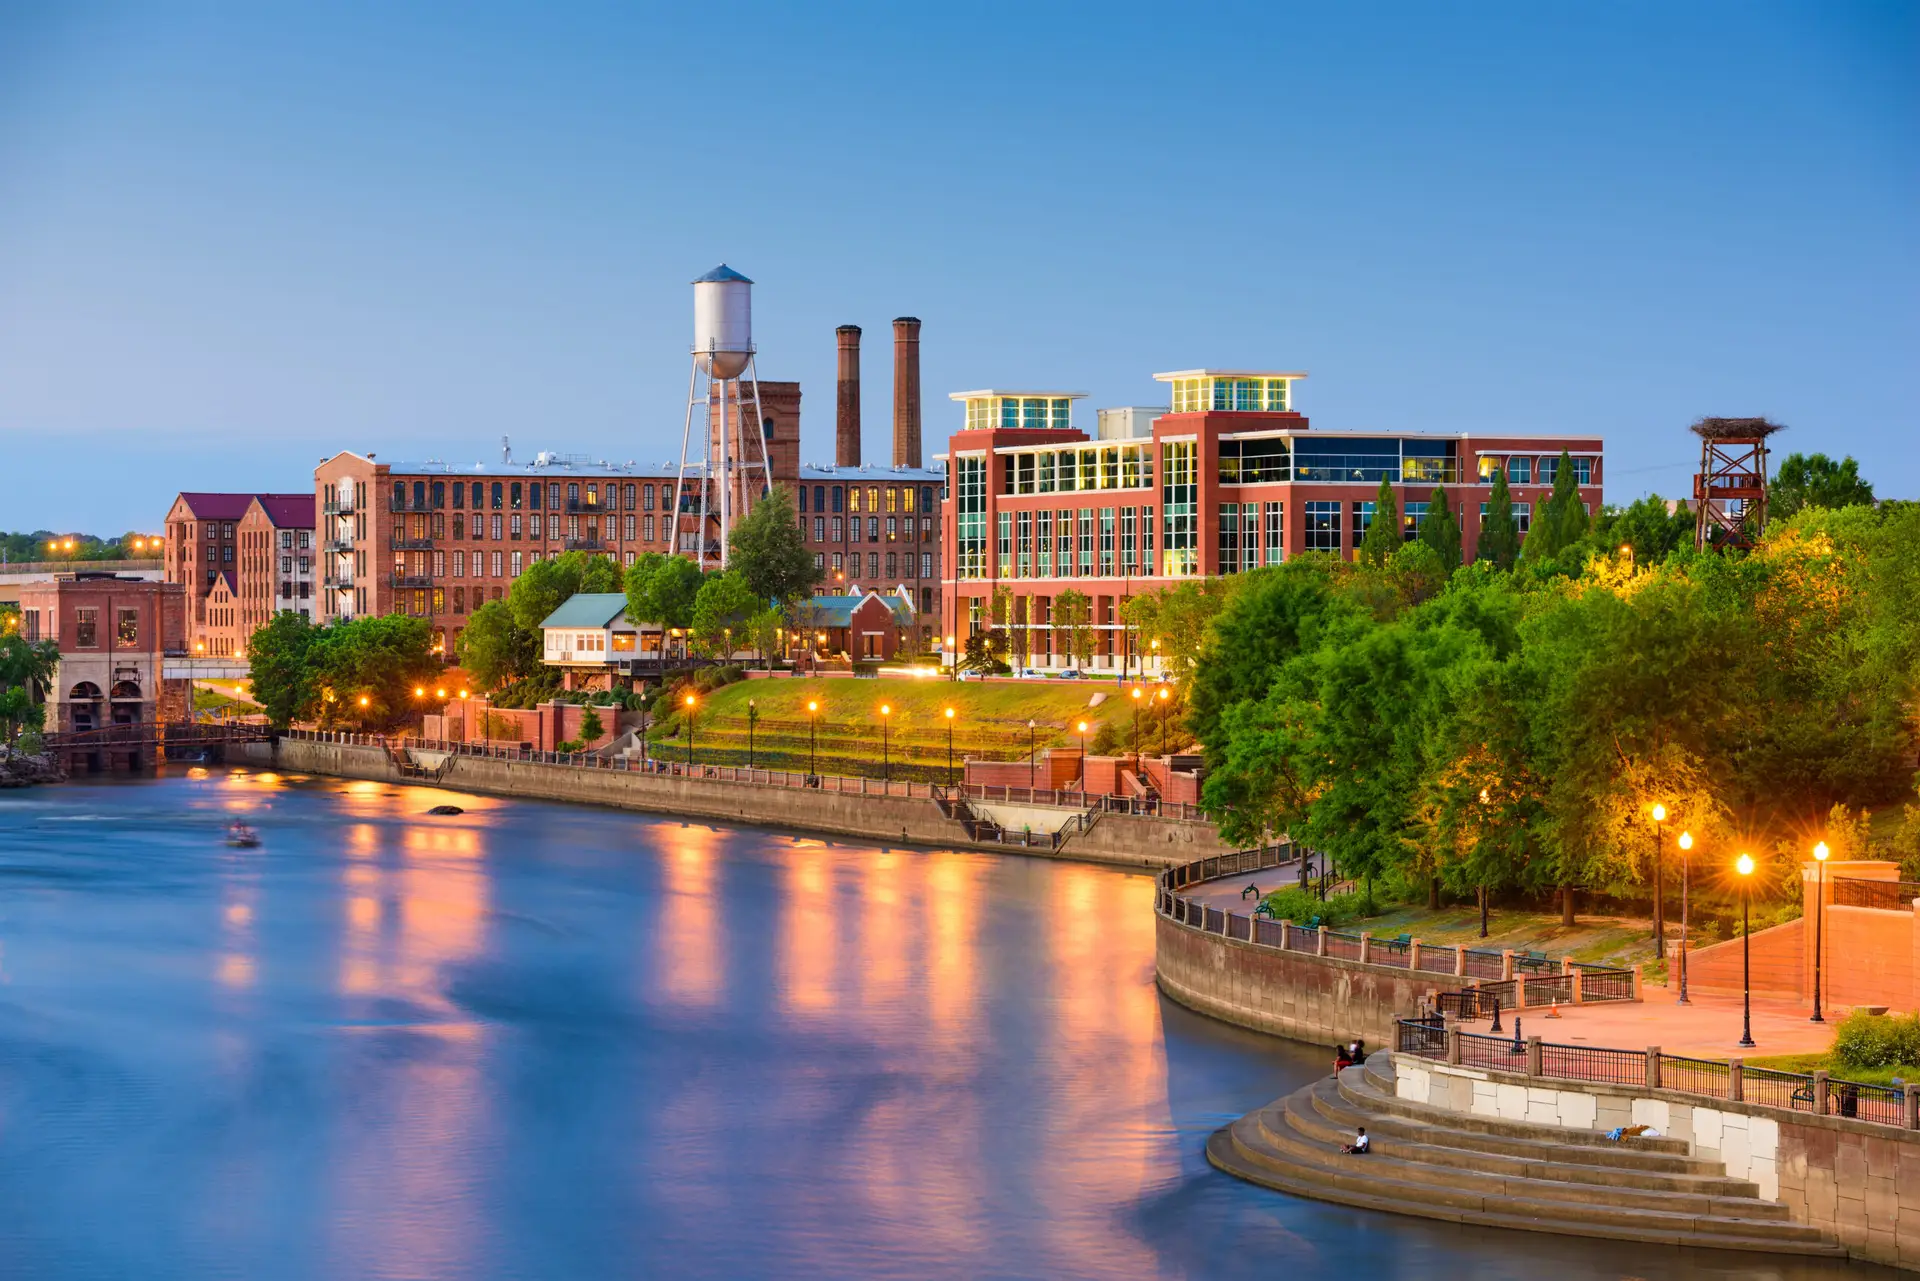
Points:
(906, 392)
(846, 432)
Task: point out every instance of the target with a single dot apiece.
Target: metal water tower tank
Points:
(722, 322)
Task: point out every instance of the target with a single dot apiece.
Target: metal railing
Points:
(1485, 965)
(410, 580)
(1887, 896)
(413, 544)
(1599, 984)
(1731, 1080)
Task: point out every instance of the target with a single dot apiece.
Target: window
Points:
(646, 498)
(1411, 520)
(1106, 541)
(496, 525)
(627, 494)
(837, 499)
(514, 496)
(1024, 565)
(1003, 545)
(893, 567)
(459, 496)
(629, 529)
(516, 526)
(1583, 471)
(127, 630)
(837, 562)
(498, 560)
(533, 496)
(1522, 516)
(1043, 540)
(926, 564)
(459, 526)
(819, 529)
(646, 529)
(970, 521)
(873, 565)
(1549, 469)
(499, 499)
(1276, 533)
(839, 530)
(1179, 495)
(1520, 471)
(1229, 548)
(1086, 541)
(893, 500)
(820, 560)
(1362, 522)
(517, 565)
(439, 564)
(873, 529)
(853, 498)
(286, 564)
(1323, 527)
(553, 496)
(86, 627)
(1128, 542)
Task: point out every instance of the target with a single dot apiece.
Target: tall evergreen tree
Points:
(1441, 531)
(1499, 536)
(1563, 519)
(1383, 534)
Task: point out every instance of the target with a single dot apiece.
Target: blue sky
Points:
(236, 237)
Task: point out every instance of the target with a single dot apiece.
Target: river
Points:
(541, 1041)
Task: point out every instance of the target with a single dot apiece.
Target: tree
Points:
(382, 659)
(494, 649)
(724, 603)
(1274, 616)
(1563, 518)
(591, 726)
(763, 628)
(769, 549)
(1499, 543)
(1441, 531)
(279, 663)
(1180, 617)
(1073, 620)
(545, 585)
(661, 589)
(1815, 480)
(1383, 531)
(1646, 528)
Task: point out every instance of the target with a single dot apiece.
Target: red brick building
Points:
(1228, 479)
(114, 635)
(240, 557)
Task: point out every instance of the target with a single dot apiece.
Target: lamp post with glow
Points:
(753, 714)
(1163, 698)
(690, 729)
(1745, 867)
(886, 754)
(1083, 758)
(1137, 692)
(1033, 753)
(1686, 866)
(1659, 915)
(949, 747)
(813, 724)
(1820, 855)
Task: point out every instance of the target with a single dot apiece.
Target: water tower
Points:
(722, 355)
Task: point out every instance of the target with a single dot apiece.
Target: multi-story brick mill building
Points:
(241, 558)
(1228, 479)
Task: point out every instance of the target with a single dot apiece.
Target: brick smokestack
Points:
(846, 431)
(906, 392)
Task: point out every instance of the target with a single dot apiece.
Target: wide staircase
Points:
(1439, 1164)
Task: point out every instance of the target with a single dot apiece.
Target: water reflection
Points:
(534, 1041)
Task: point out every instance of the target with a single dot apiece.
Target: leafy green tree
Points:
(545, 585)
(1383, 532)
(769, 549)
(1499, 543)
(494, 649)
(1815, 480)
(1174, 622)
(1073, 624)
(1276, 615)
(382, 659)
(1563, 518)
(763, 630)
(724, 603)
(1441, 530)
(1646, 528)
(591, 727)
(280, 664)
(661, 590)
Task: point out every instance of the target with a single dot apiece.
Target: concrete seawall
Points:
(1117, 839)
(1320, 999)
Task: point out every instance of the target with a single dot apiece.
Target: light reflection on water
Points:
(538, 1041)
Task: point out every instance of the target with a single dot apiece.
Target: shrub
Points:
(1866, 1040)
(1297, 905)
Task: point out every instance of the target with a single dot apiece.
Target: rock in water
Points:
(446, 809)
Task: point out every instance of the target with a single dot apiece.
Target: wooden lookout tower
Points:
(1730, 489)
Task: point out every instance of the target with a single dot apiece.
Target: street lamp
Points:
(886, 771)
(690, 728)
(1820, 854)
(1686, 865)
(1083, 759)
(813, 722)
(949, 747)
(1164, 698)
(1032, 755)
(1745, 867)
(753, 714)
(1659, 916)
(1137, 691)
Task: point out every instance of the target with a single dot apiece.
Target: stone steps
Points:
(1502, 1174)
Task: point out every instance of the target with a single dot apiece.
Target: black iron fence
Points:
(1815, 1092)
(1887, 896)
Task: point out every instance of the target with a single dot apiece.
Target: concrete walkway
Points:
(1707, 1028)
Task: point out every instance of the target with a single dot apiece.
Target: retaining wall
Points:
(1294, 994)
(1120, 839)
(1855, 1180)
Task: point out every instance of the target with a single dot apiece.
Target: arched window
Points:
(439, 494)
(399, 493)
(837, 498)
(479, 495)
(459, 496)
(126, 689)
(766, 428)
(419, 495)
(533, 495)
(803, 498)
(499, 495)
(516, 495)
(632, 493)
(84, 692)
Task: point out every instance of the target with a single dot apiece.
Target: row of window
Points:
(1231, 395)
(1521, 470)
(1028, 413)
(1088, 542)
(847, 529)
(1083, 468)
(899, 564)
(898, 499)
(86, 626)
(422, 495)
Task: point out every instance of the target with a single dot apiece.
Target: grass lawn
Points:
(223, 697)
(1816, 1062)
(1593, 939)
(990, 722)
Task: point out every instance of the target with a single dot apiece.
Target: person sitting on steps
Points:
(1360, 1146)
(1349, 1055)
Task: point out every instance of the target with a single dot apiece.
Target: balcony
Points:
(410, 580)
(407, 505)
(580, 506)
(584, 543)
(337, 545)
(413, 544)
(337, 508)
(340, 582)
